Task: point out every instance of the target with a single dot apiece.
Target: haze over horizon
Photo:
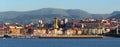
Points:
(91, 6)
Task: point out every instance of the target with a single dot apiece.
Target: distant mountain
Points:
(46, 14)
(9, 14)
(115, 14)
(96, 16)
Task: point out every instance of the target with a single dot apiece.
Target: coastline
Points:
(59, 36)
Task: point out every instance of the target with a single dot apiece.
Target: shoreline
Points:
(59, 36)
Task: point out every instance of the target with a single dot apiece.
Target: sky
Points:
(91, 6)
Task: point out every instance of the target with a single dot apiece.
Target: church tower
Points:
(56, 23)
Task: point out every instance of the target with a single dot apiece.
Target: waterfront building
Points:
(39, 31)
(85, 31)
(79, 31)
(48, 31)
(94, 31)
(4, 30)
(65, 20)
(71, 31)
(40, 24)
(99, 31)
(30, 29)
(23, 31)
(15, 30)
(60, 31)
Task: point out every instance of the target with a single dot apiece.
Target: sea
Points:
(79, 42)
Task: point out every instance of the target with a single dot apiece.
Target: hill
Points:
(115, 14)
(46, 14)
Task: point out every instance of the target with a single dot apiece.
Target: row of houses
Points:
(84, 27)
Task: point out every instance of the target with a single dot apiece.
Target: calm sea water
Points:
(92, 42)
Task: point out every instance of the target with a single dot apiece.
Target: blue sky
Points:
(92, 6)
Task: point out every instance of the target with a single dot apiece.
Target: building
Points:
(15, 30)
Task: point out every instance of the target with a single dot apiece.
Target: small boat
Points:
(7, 36)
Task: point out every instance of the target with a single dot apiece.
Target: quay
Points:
(54, 36)
(57, 36)
(71, 36)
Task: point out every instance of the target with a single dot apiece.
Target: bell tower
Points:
(55, 26)
(56, 23)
